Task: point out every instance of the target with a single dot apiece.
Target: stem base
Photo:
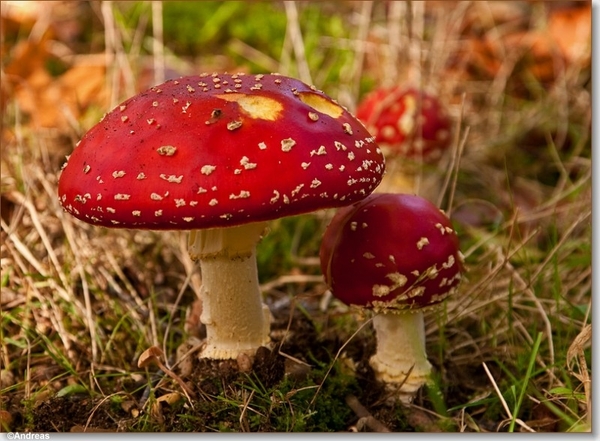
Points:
(400, 359)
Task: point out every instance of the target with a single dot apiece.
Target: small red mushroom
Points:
(397, 255)
(221, 155)
(410, 126)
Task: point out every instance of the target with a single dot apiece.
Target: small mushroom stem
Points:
(400, 359)
(412, 177)
(236, 319)
(399, 177)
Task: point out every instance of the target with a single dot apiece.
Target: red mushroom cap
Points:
(219, 150)
(407, 122)
(391, 253)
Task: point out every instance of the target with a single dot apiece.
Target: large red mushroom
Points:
(221, 155)
(396, 255)
(414, 131)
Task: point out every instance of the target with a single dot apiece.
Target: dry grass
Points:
(512, 351)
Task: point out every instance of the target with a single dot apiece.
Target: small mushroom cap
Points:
(219, 150)
(150, 356)
(407, 122)
(391, 253)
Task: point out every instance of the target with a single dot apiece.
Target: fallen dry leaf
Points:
(6, 419)
(59, 103)
(571, 29)
(170, 398)
(544, 53)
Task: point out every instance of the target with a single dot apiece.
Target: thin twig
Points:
(158, 52)
(295, 34)
(365, 416)
(503, 401)
(456, 143)
(456, 164)
(290, 278)
(245, 426)
(337, 355)
(364, 18)
(174, 307)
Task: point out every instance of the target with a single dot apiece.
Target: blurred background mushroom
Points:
(415, 133)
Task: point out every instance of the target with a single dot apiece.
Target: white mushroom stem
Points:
(236, 319)
(400, 359)
(400, 177)
(412, 177)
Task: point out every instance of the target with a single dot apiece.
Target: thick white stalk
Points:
(400, 348)
(236, 319)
